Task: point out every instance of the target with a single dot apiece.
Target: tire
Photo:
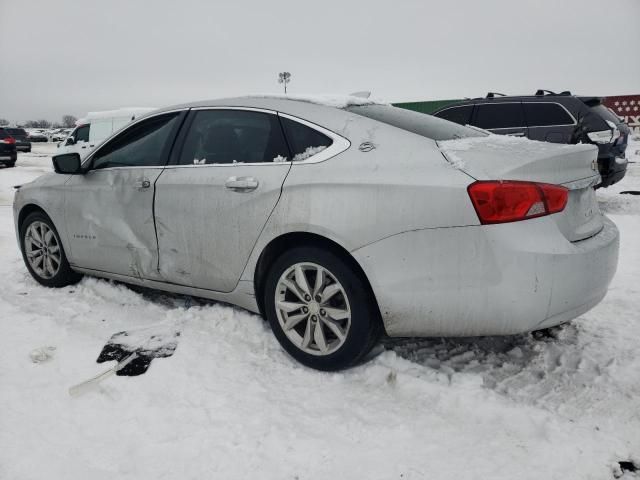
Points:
(348, 317)
(10, 164)
(55, 272)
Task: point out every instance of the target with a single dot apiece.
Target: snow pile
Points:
(310, 151)
(329, 100)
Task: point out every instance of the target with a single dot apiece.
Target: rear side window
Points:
(3, 133)
(460, 115)
(233, 136)
(546, 114)
(304, 141)
(82, 134)
(499, 115)
(419, 123)
(142, 145)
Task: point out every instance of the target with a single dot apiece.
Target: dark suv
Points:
(551, 117)
(8, 155)
(23, 144)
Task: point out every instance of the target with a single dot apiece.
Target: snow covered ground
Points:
(230, 404)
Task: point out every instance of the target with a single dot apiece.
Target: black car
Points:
(551, 117)
(8, 155)
(23, 144)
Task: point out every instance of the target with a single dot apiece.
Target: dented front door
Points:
(109, 218)
(109, 209)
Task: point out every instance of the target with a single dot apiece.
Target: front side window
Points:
(499, 115)
(142, 145)
(546, 114)
(460, 115)
(304, 141)
(82, 134)
(233, 136)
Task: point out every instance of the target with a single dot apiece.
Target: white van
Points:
(96, 126)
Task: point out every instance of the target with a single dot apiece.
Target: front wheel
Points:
(43, 253)
(320, 309)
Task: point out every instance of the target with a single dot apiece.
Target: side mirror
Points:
(70, 141)
(68, 163)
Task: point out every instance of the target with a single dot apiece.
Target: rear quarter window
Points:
(3, 133)
(546, 114)
(304, 141)
(422, 124)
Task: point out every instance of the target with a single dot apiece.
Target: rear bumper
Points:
(487, 280)
(8, 157)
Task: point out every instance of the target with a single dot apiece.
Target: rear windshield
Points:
(419, 123)
(605, 113)
(17, 131)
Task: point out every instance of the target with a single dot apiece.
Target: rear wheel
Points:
(10, 164)
(43, 253)
(319, 309)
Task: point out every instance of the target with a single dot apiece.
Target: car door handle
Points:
(241, 184)
(142, 184)
(518, 134)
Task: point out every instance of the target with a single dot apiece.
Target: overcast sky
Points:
(74, 56)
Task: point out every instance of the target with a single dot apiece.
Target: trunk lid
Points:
(498, 157)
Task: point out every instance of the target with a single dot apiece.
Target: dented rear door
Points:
(217, 194)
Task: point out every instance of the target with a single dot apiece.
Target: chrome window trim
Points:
(89, 157)
(339, 145)
(252, 164)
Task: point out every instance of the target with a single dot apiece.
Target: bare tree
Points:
(284, 78)
(4, 122)
(69, 121)
(37, 124)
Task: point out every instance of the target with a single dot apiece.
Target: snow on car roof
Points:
(329, 100)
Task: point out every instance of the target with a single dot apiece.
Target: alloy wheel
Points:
(42, 249)
(312, 308)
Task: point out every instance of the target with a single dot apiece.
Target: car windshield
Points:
(419, 123)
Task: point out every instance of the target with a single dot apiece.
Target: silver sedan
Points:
(336, 222)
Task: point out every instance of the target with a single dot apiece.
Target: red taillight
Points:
(9, 140)
(510, 200)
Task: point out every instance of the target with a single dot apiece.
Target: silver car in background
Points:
(337, 223)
